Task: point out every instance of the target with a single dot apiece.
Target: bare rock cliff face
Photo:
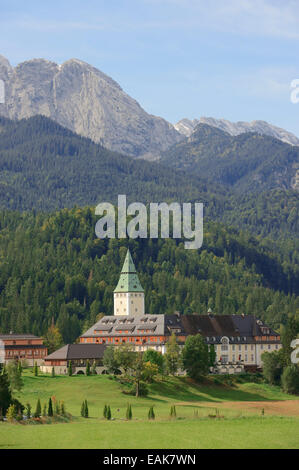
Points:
(85, 100)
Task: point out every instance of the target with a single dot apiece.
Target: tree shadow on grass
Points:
(183, 389)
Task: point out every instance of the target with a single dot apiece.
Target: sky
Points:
(232, 59)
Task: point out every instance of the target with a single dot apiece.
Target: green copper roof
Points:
(128, 281)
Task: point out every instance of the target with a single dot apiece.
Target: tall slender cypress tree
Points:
(50, 408)
(86, 413)
(38, 409)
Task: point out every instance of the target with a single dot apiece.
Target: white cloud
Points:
(259, 17)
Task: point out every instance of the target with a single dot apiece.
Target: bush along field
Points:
(97, 412)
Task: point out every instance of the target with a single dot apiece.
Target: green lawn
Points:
(238, 428)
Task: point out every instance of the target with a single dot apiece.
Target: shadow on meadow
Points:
(185, 389)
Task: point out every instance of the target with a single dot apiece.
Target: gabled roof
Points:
(18, 336)
(128, 280)
(78, 351)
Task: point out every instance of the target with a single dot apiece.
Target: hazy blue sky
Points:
(179, 58)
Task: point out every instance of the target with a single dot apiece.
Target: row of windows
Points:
(262, 346)
(152, 339)
(27, 353)
(130, 294)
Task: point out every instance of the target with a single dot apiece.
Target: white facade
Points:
(128, 303)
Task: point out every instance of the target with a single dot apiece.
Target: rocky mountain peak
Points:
(87, 101)
(187, 126)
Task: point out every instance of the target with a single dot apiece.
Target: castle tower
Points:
(128, 294)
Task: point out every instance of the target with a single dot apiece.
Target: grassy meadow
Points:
(251, 415)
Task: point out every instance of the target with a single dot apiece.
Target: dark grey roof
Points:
(18, 336)
(25, 346)
(239, 328)
(78, 351)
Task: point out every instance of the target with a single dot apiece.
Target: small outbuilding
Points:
(77, 355)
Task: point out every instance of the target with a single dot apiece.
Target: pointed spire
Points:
(128, 281)
(128, 266)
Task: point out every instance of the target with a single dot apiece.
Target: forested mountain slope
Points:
(246, 162)
(44, 166)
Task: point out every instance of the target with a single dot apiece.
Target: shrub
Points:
(11, 413)
(151, 414)
(129, 412)
(290, 379)
(28, 411)
(172, 411)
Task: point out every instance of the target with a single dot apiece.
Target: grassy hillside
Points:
(237, 427)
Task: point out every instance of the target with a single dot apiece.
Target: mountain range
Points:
(187, 127)
(90, 103)
(247, 162)
(85, 100)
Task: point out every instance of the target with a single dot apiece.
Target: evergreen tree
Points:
(5, 393)
(50, 408)
(53, 372)
(35, 369)
(70, 369)
(108, 413)
(151, 414)
(45, 410)
(28, 411)
(38, 409)
(129, 412)
(172, 411)
(87, 367)
(86, 413)
(105, 411)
